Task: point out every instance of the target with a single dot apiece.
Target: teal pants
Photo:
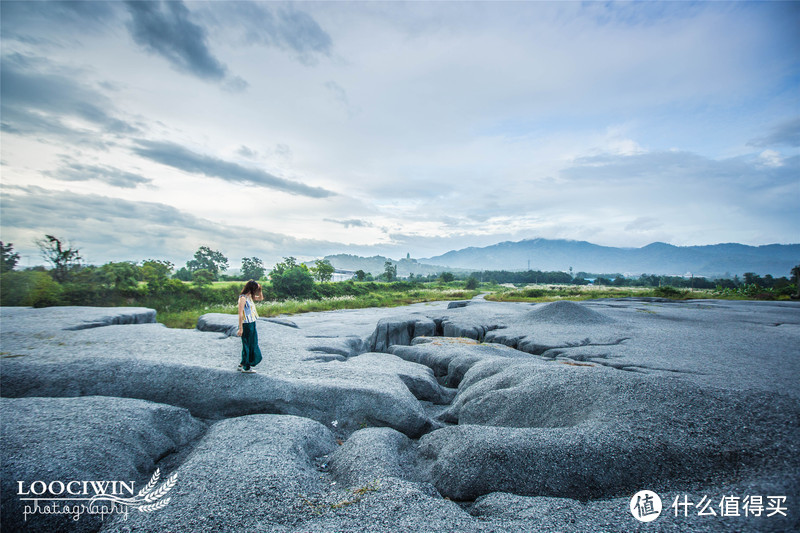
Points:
(251, 354)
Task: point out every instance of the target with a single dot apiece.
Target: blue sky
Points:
(147, 129)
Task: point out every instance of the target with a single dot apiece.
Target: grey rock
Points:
(417, 377)
(373, 454)
(73, 317)
(450, 357)
(251, 473)
(89, 438)
(399, 330)
(594, 432)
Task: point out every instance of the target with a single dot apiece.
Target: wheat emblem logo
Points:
(150, 498)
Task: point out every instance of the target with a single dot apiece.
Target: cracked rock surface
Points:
(475, 416)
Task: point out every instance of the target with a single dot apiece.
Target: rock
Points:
(593, 432)
(76, 439)
(418, 378)
(72, 317)
(566, 312)
(219, 323)
(250, 473)
(450, 358)
(373, 454)
(399, 330)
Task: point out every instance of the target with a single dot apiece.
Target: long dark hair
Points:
(252, 288)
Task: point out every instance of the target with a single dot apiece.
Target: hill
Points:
(656, 258)
(375, 265)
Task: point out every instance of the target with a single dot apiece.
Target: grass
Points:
(188, 319)
(551, 293)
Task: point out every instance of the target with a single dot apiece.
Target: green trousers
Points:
(251, 354)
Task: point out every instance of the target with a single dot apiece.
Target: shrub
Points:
(668, 292)
(295, 282)
(46, 291)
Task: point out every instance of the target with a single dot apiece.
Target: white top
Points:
(250, 313)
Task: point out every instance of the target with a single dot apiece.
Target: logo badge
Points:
(645, 506)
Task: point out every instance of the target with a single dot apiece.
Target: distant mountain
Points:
(656, 258)
(376, 265)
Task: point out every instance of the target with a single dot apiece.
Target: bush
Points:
(46, 291)
(472, 284)
(295, 282)
(16, 287)
(668, 292)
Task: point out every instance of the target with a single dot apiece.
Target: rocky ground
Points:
(469, 416)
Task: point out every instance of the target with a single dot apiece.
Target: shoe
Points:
(249, 371)
(239, 368)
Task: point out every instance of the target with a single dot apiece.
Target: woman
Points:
(251, 354)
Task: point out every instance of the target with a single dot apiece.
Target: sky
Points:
(138, 130)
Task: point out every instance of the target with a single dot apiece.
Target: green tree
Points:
(323, 270)
(202, 278)
(183, 274)
(796, 274)
(287, 264)
(156, 273)
(63, 260)
(207, 259)
(10, 258)
(361, 275)
(294, 283)
(124, 276)
(447, 277)
(252, 268)
(45, 292)
(472, 283)
(390, 270)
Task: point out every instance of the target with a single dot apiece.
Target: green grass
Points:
(188, 318)
(551, 293)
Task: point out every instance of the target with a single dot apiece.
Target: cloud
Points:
(353, 222)
(786, 133)
(164, 28)
(48, 18)
(74, 171)
(176, 156)
(115, 229)
(287, 28)
(36, 98)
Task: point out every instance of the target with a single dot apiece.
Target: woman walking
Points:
(251, 354)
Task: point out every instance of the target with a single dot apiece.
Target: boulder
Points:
(92, 438)
(250, 473)
(399, 330)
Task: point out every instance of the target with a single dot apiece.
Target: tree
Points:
(361, 275)
(323, 270)
(252, 268)
(287, 264)
(390, 270)
(294, 282)
(202, 277)
(472, 283)
(183, 274)
(63, 260)
(124, 277)
(207, 259)
(10, 258)
(796, 274)
(447, 277)
(156, 273)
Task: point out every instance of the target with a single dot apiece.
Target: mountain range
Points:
(716, 260)
(656, 258)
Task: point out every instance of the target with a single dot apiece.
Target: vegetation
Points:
(180, 298)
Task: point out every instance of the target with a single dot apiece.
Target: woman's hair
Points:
(252, 288)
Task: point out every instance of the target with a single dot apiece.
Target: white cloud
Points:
(412, 127)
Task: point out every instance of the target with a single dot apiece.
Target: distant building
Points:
(343, 275)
